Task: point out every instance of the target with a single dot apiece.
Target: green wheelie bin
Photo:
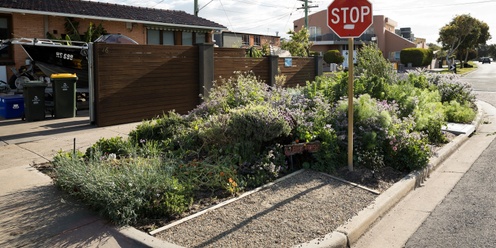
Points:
(64, 94)
(34, 100)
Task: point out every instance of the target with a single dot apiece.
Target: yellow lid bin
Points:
(64, 94)
(64, 76)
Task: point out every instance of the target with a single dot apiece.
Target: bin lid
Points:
(33, 84)
(63, 75)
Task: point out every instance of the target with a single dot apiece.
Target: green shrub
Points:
(371, 121)
(456, 112)
(243, 89)
(372, 63)
(374, 86)
(124, 190)
(416, 56)
(243, 131)
(333, 56)
(114, 145)
(452, 88)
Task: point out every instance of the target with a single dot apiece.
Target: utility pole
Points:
(306, 7)
(196, 8)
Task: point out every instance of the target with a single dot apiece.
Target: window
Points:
(5, 31)
(187, 38)
(257, 40)
(246, 39)
(153, 37)
(160, 37)
(314, 32)
(167, 38)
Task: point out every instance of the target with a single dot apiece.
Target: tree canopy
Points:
(462, 34)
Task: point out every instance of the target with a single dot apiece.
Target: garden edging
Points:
(350, 232)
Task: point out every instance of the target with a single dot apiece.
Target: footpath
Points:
(34, 213)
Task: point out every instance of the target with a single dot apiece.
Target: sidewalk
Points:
(34, 213)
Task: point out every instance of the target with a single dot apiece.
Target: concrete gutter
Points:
(350, 232)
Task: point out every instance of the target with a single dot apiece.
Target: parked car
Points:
(486, 60)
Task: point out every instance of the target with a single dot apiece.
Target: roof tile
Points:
(108, 10)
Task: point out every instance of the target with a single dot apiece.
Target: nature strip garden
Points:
(234, 141)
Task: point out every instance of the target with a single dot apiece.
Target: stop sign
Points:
(349, 18)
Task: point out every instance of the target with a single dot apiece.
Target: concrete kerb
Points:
(359, 224)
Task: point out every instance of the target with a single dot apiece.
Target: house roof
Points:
(107, 11)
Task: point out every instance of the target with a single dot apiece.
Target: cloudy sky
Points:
(425, 17)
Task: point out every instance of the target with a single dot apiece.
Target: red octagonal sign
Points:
(349, 18)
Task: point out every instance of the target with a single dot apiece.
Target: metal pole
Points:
(306, 14)
(91, 82)
(196, 8)
(350, 104)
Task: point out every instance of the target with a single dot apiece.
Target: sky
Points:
(275, 17)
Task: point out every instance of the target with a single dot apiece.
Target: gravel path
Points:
(300, 208)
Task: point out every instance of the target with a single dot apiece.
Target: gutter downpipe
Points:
(91, 83)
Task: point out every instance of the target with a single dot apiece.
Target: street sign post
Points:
(349, 19)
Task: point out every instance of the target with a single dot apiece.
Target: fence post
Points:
(206, 67)
(318, 66)
(273, 65)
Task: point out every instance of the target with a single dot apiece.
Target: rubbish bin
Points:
(64, 94)
(34, 100)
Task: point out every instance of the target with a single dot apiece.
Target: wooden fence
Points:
(137, 82)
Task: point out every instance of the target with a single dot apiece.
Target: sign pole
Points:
(350, 103)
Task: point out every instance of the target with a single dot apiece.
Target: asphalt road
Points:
(484, 78)
(467, 216)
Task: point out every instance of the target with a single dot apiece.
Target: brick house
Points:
(383, 32)
(37, 18)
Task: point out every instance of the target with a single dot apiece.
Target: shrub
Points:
(371, 121)
(333, 56)
(164, 130)
(456, 112)
(452, 88)
(372, 63)
(241, 90)
(114, 145)
(429, 115)
(416, 56)
(124, 190)
(243, 131)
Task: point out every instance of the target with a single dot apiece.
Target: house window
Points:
(168, 38)
(5, 31)
(160, 37)
(246, 39)
(187, 38)
(257, 40)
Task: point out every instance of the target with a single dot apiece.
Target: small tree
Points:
(333, 56)
(372, 63)
(299, 45)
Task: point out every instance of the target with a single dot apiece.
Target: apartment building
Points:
(382, 31)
